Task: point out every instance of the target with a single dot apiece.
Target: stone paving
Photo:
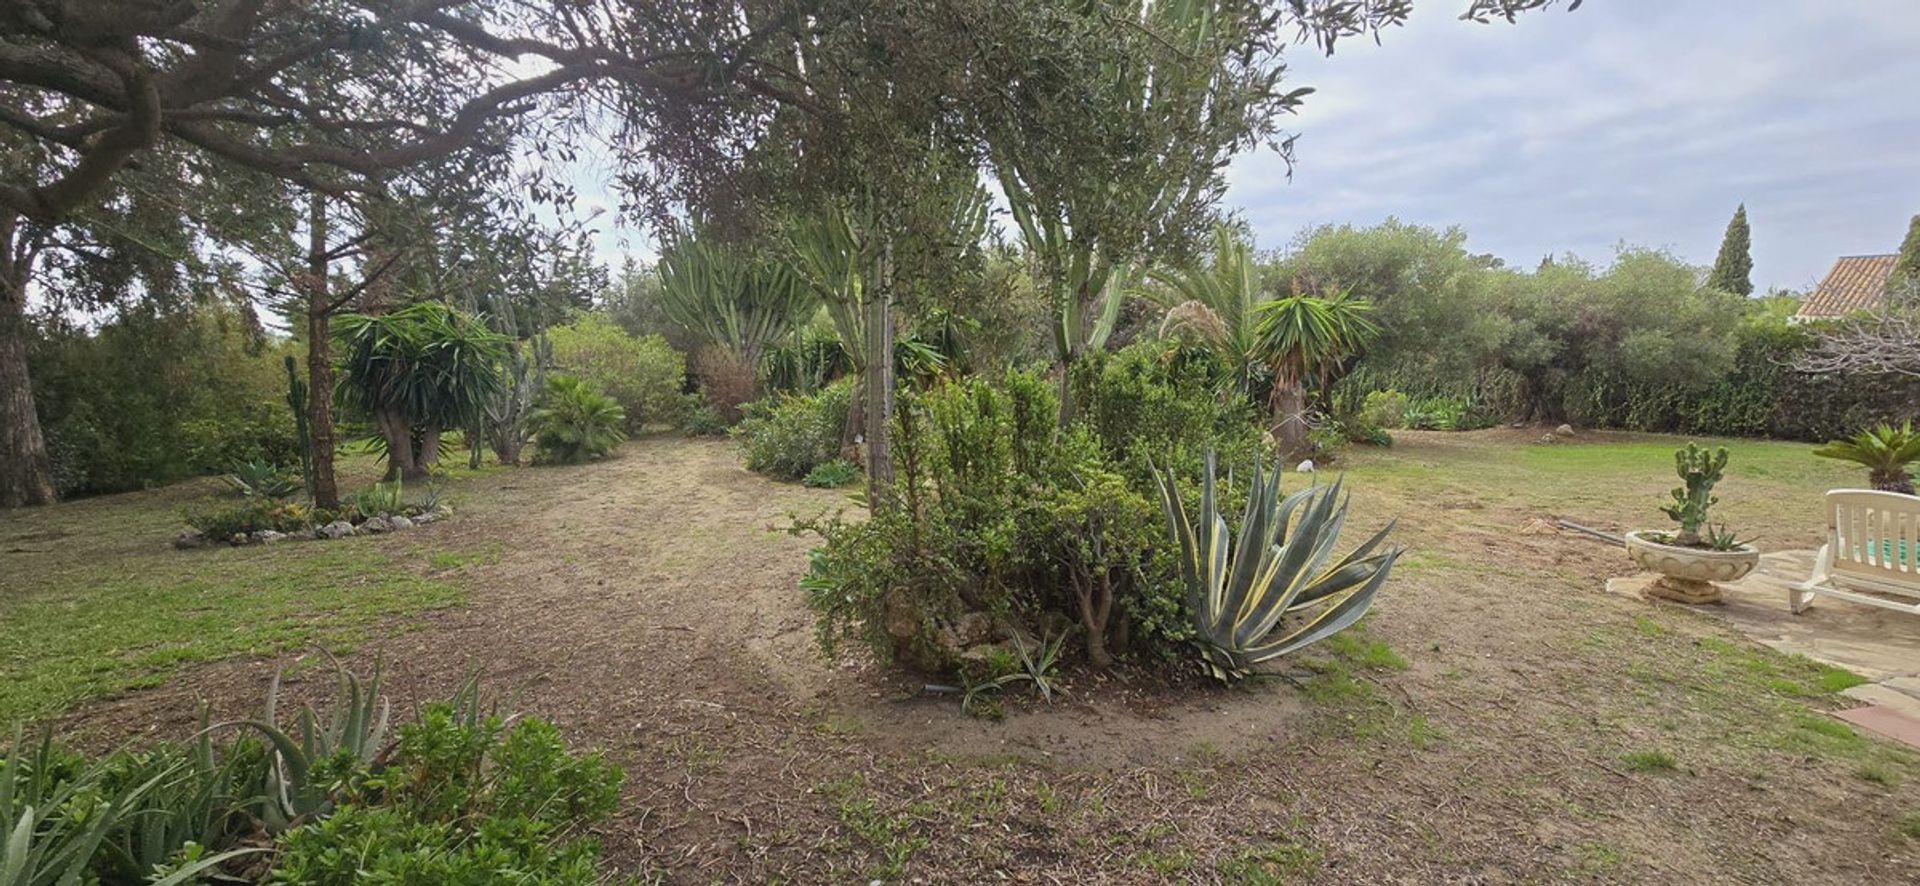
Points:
(1879, 644)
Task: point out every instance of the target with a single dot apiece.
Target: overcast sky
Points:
(1637, 121)
(1644, 121)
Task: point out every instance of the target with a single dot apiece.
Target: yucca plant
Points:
(1239, 595)
(575, 422)
(1886, 450)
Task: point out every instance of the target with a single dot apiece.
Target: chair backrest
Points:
(1874, 535)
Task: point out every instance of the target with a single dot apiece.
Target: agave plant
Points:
(1239, 595)
(1885, 450)
(259, 479)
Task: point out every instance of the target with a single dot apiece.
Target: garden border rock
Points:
(377, 524)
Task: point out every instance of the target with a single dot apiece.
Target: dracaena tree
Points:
(1303, 338)
(417, 372)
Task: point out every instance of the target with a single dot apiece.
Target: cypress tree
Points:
(1733, 269)
(1907, 266)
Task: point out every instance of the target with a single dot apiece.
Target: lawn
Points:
(97, 602)
(1498, 716)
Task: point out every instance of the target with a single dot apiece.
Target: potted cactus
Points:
(1700, 553)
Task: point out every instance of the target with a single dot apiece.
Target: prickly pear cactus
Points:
(1699, 470)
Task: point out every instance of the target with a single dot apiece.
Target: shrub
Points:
(156, 395)
(643, 374)
(223, 522)
(1004, 517)
(786, 436)
(463, 800)
(697, 419)
(575, 422)
(831, 475)
(728, 380)
(1384, 409)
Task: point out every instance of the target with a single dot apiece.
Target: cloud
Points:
(1644, 123)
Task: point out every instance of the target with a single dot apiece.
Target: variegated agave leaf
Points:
(1240, 595)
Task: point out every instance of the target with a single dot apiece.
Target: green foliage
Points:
(258, 479)
(377, 500)
(221, 522)
(807, 361)
(459, 798)
(1733, 267)
(1885, 450)
(1385, 409)
(427, 364)
(643, 374)
(1003, 513)
(464, 800)
(1906, 265)
(832, 474)
(154, 396)
(1699, 471)
(63, 821)
(297, 403)
(699, 419)
(303, 776)
(1239, 595)
(1035, 665)
(728, 297)
(787, 436)
(575, 422)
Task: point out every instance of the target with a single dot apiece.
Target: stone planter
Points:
(1688, 574)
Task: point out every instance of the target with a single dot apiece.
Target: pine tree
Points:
(1733, 269)
(1907, 266)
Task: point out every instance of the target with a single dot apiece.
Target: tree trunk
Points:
(1066, 388)
(850, 434)
(326, 490)
(1896, 480)
(1095, 596)
(1289, 402)
(26, 473)
(879, 385)
(429, 454)
(400, 455)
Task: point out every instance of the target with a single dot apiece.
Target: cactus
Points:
(297, 399)
(1699, 470)
(525, 377)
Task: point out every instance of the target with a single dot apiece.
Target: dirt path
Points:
(650, 605)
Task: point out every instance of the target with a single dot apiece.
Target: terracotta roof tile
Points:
(1856, 283)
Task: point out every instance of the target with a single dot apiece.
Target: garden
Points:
(958, 495)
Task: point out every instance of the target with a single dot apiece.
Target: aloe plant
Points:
(1239, 595)
(57, 815)
(300, 779)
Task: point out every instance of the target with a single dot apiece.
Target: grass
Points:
(1650, 761)
(98, 603)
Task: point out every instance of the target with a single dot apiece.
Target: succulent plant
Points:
(1699, 471)
(1239, 595)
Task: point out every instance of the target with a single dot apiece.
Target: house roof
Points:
(1856, 283)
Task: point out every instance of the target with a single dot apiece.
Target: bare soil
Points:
(649, 604)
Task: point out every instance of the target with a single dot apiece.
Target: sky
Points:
(1636, 121)
(1642, 122)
